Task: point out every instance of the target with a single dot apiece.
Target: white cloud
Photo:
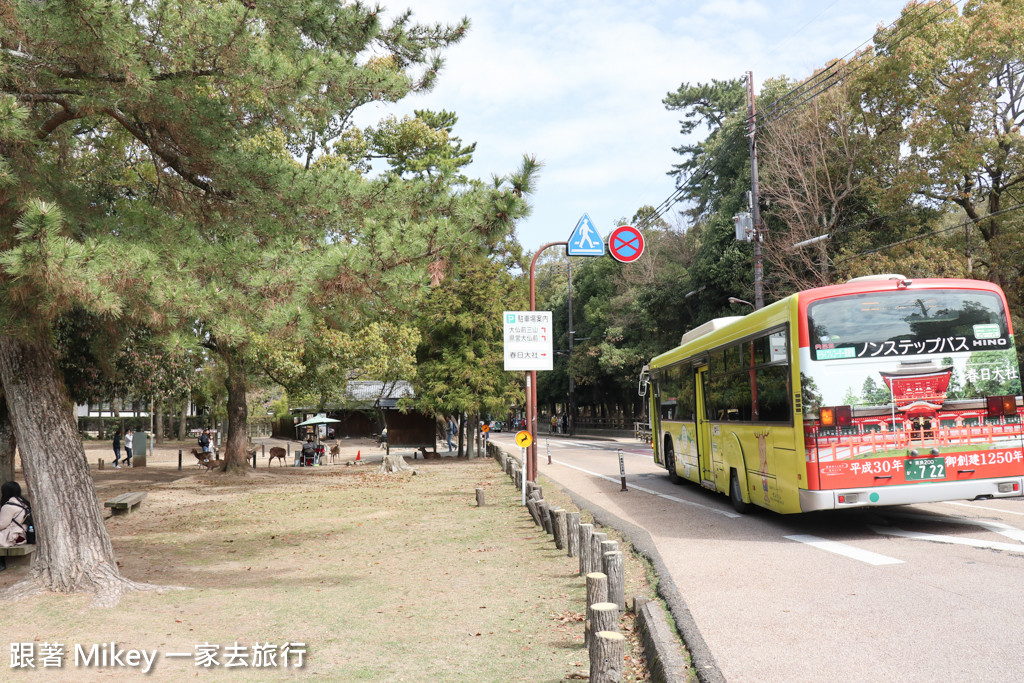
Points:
(579, 84)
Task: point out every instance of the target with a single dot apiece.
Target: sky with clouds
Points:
(580, 85)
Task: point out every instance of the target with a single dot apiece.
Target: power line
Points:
(929, 235)
(793, 99)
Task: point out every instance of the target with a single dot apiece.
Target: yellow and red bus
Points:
(880, 391)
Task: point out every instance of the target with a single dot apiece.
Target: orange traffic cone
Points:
(358, 453)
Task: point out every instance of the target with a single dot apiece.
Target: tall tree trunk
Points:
(238, 414)
(462, 425)
(183, 424)
(73, 551)
(158, 419)
(7, 442)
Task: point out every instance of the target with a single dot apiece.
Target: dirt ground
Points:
(364, 576)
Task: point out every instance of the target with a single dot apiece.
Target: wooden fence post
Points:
(572, 521)
(609, 547)
(479, 498)
(607, 651)
(613, 568)
(558, 527)
(531, 505)
(586, 566)
(545, 515)
(597, 592)
(595, 550)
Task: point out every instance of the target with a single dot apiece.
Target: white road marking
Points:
(844, 550)
(985, 507)
(997, 527)
(634, 487)
(937, 538)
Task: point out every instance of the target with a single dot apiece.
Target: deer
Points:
(206, 459)
(277, 452)
(335, 452)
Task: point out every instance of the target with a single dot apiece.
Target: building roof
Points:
(365, 394)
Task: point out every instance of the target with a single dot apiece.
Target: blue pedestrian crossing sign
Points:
(584, 240)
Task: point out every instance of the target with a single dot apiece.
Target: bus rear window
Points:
(906, 323)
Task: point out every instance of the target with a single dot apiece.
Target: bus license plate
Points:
(921, 469)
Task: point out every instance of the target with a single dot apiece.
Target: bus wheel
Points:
(736, 495)
(670, 463)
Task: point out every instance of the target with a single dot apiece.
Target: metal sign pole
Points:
(523, 477)
(622, 471)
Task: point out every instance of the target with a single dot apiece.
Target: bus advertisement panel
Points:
(910, 386)
(880, 391)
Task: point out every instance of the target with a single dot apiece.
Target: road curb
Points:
(662, 651)
(665, 648)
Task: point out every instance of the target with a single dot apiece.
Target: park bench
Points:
(17, 554)
(125, 502)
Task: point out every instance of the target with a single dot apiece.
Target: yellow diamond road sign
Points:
(523, 439)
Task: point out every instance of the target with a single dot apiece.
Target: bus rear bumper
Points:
(907, 494)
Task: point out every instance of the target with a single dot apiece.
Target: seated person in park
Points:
(308, 450)
(13, 511)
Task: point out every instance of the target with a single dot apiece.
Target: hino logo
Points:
(990, 342)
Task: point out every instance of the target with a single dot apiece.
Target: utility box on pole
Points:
(744, 227)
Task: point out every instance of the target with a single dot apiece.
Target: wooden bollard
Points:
(609, 547)
(595, 550)
(607, 651)
(613, 568)
(100, 465)
(603, 616)
(545, 515)
(479, 498)
(572, 523)
(597, 592)
(558, 527)
(531, 505)
(586, 566)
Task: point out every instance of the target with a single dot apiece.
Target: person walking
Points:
(128, 438)
(453, 429)
(117, 448)
(204, 440)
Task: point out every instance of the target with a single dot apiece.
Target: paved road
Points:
(915, 593)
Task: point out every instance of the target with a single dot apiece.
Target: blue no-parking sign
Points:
(626, 244)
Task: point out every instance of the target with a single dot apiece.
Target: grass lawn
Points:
(380, 577)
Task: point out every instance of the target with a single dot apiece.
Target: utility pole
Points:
(572, 382)
(755, 210)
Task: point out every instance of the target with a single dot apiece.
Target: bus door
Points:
(707, 474)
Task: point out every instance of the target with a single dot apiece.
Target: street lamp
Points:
(734, 300)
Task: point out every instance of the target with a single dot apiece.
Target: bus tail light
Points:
(1009, 405)
(1001, 405)
(844, 416)
(1008, 487)
(841, 416)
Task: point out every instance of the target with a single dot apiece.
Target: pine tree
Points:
(147, 176)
